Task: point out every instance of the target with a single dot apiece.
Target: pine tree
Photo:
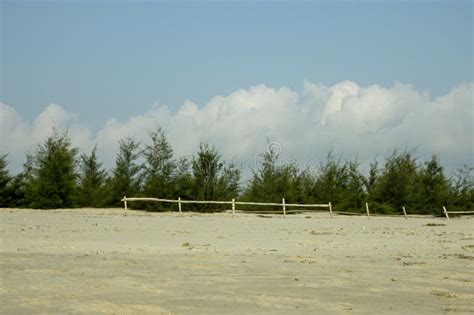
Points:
(212, 178)
(5, 191)
(54, 174)
(272, 182)
(353, 195)
(331, 181)
(21, 184)
(396, 184)
(462, 188)
(159, 166)
(206, 169)
(263, 186)
(228, 186)
(432, 189)
(92, 179)
(183, 181)
(126, 175)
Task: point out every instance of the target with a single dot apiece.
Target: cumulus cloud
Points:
(18, 136)
(357, 121)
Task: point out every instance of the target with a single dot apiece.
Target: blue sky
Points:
(108, 59)
(361, 78)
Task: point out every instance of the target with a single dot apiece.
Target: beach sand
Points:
(124, 261)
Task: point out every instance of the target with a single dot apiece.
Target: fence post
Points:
(367, 208)
(445, 212)
(330, 209)
(284, 207)
(179, 204)
(125, 202)
(404, 212)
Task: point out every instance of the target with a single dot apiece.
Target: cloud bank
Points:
(362, 122)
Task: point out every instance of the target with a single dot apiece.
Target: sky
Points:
(361, 78)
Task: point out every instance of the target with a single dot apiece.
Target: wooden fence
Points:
(233, 203)
(283, 205)
(446, 212)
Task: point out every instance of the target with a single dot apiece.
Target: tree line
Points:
(55, 175)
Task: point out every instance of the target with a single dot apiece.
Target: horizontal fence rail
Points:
(461, 212)
(446, 212)
(179, 201)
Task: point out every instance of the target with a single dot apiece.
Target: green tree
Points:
(272, 182)
(212, 178)
(206, 169)
(228, 186)
(54, 174)
(396, 185)
(5, 191)
(331, 180)
(91, 183)
(126, 175)
(183, 180)
(432, 189)
(21, 184)
(462, 188)
(159, 166)
(353, 194)
(262, 186)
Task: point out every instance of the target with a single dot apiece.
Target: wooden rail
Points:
(283, 204)
(446, 212)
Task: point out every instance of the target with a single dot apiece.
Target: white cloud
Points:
(19, 136)
(357, 121)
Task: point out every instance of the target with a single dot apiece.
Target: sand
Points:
(95, 261)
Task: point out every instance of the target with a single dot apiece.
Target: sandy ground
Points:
(116, 261)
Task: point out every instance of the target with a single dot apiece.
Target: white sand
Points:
(116, 261)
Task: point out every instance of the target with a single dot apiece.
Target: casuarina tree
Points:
(91, 182)
(126, 175)
(159, 166)
(54, 177)
(5, 194)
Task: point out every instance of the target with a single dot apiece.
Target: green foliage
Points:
(228, 186)
(49, 180)
(354, 194)
(5, 191)
(462, 189)
(21, 184)
(422, 188)
(331, 180)
(340, 183)
(53, 182)
(159, 166)
(273, 182)
(206, 169)
(92, 178)
(397, 183)
(183, 181)
(431, 191)
(126, 175)
(212, 179)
